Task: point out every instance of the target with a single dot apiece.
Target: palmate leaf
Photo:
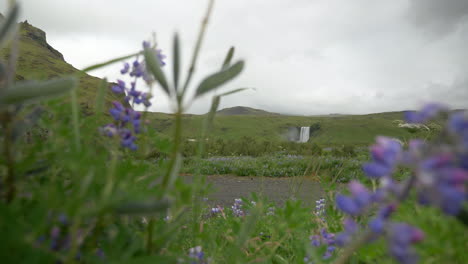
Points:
(9, 24)
(154, 67)
(215, 80)
(30, 91)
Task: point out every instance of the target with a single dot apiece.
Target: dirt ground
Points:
(227, 188)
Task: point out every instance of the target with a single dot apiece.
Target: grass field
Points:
(335, 130)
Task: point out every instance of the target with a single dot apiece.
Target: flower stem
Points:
(196, 52)
(149, 238)
(7, 152)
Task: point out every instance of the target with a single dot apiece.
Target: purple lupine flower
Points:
(315, 240)
(137, 69)
(100, 253)
(385, 154)
(439, 175)
(161, 57)
(63, 219)
(458, 124)
(347, 205)
(125, 69)
(128, 139)
(271, 211)
(329, 252)
(117, 111)
(119, 87)
(360, 199)
(401, 236)
(145, 97)
(125, 117)
(216, 210)
(197, 255)
(377, 224)
(324, 238)
(429, 111)
(109, 130)
(55, 232)
(237, 208)
(350, 228)
(320, 208)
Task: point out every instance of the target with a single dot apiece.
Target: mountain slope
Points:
(244, 110)
(39, 60)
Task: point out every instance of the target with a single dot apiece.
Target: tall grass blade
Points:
(75, 119)
(9, 25)
(109, 62)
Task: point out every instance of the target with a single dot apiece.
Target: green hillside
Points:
(334, 130)
(243, 110)
(38, 60)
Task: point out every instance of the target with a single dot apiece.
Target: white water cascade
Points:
(304, 135)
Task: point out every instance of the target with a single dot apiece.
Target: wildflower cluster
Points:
(439, 177)
(324, 238)
(127, 121)
(218, 210)
(197, 256)
(320, 208)
(237, 208)
(59, 237)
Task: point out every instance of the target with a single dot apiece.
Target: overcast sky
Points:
(302, 56)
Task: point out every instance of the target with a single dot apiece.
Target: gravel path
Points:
(227, 188)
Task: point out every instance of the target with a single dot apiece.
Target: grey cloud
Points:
(438, 17)
(303, 57)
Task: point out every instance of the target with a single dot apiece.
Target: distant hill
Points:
(334, 131)
(244, 110)
(40, 61)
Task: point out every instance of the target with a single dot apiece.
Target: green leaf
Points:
(143, 207)
(227, 60)
(234, 91)
(176, 65)
(215, 80)
(29, 91)
(154, 67)
(9, 24)
(103, 64)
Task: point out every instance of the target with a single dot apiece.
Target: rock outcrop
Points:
(39, 36)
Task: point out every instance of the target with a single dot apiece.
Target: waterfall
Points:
(304, 135)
